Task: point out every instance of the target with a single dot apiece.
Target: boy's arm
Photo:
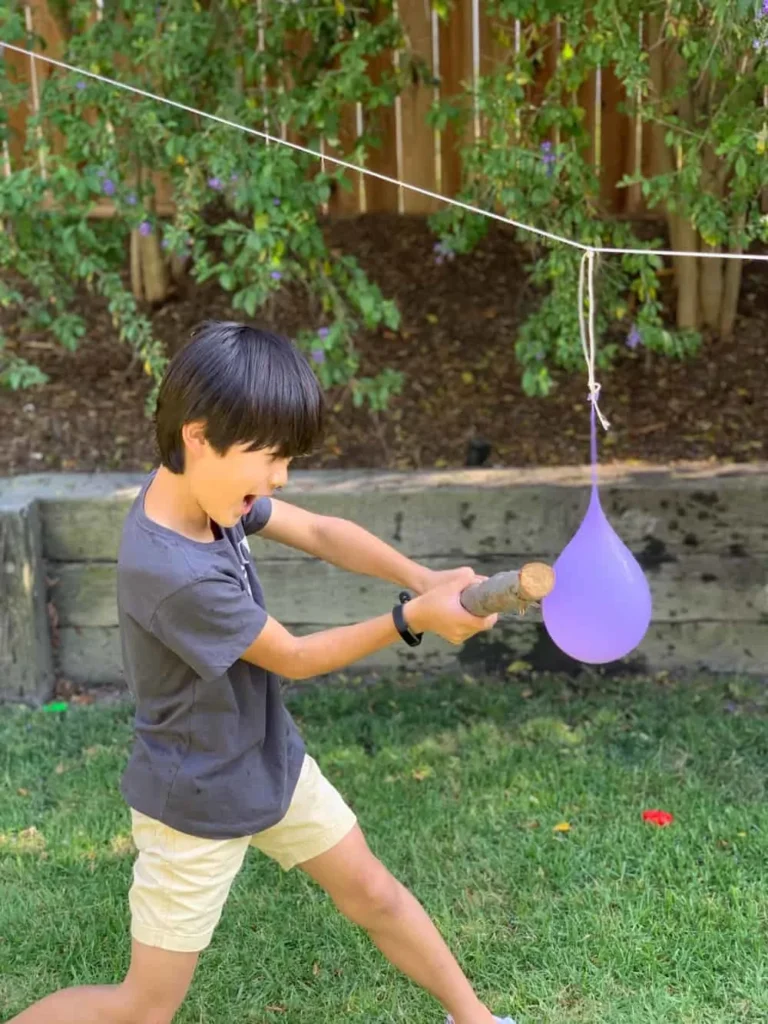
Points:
(349, 546)
(300, 657)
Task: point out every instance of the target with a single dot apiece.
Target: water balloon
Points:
(600, 608)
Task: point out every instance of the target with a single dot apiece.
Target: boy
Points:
(218, 764)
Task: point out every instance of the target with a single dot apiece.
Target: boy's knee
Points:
(373, 896)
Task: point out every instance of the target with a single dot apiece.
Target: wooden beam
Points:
(26, 657)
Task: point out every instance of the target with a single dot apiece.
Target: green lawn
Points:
(459, 786)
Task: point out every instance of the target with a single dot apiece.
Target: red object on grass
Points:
(660, 818)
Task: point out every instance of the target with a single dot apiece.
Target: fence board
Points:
(455, 74)
(381, 196)
(418, 139)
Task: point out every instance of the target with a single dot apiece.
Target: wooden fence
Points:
(456, 50)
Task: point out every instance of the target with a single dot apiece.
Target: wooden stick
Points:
(510, 591)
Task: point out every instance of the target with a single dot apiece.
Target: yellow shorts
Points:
(181, 883)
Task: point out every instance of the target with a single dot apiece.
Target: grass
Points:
(459, 786)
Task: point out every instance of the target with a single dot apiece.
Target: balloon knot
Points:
(593, 397)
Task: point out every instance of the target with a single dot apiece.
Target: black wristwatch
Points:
(405, 631)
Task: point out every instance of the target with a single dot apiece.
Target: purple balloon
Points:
(600, 608)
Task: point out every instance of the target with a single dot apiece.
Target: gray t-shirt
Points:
(216, 753)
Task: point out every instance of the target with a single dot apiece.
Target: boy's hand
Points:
(440, 611)
(429, 579)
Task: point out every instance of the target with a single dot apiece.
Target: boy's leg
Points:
(151, 993)
(180, 886)
(365, 892)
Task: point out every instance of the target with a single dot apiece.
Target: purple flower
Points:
(276, 275)
(164, 244)
(81, 85)
(131, 199)
(634, 338)
(109, 187)
(760, 43)
(215, 184)
(323, 332)
(234, 177)
(145, 228)
(275, 202)
(443, 252)
(548, 157)
(318, 355)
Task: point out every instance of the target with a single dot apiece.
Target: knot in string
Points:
(587, 327)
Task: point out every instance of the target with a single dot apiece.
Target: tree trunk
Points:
(149, 273)
(666, 66)
(154, 272)
(714, 179)
(178, 270)
(688, 309)
(661, 158)
(732, 286)
(711, 288)
(136, 284)
(731, 291)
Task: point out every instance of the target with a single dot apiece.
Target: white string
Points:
(587, 329)
(359, 169)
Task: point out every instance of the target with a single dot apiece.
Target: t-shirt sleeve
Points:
(258, 517)
(209, 624)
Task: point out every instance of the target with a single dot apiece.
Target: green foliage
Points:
(246, 211)
(535, 160)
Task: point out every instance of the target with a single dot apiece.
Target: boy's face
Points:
(226, 486)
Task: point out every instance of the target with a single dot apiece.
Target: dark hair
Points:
(249, 387)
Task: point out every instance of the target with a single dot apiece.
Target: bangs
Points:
(276, 402)
(287, 414)
(249, 386)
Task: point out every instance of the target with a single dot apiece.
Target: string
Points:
(587, 328)
(587, 267)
